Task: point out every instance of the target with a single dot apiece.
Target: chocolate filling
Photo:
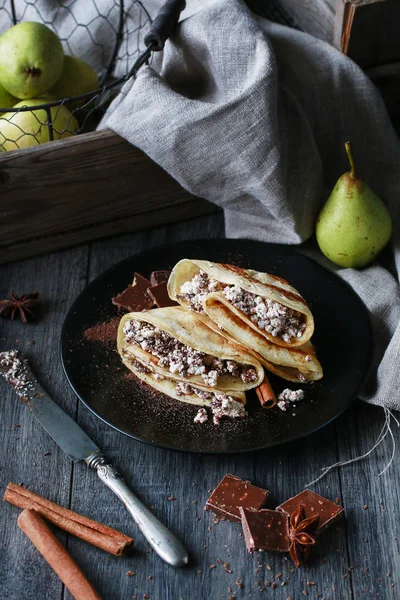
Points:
(221, 404)
(269, 315)
(182, 359)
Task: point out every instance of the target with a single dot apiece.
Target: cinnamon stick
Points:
(55, 554)
(97, 534)
(266, 394)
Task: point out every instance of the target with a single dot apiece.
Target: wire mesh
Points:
(106, 34)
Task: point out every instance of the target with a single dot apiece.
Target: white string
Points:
(393, 442)
(384, 431)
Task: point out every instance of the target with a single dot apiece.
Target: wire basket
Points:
(114, 37)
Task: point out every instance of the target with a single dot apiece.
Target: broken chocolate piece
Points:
(313, 505)
(158, 277)
(135, 297)
(159, 294)
(265, 529)
(232, 493)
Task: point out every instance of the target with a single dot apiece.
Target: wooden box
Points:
(365, 30)
(81, 188)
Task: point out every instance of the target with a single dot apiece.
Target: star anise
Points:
(19, 306)
(300, 535)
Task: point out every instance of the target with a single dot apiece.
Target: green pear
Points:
(31, 59)
(77, 78)
(354, 225)
(29, 128)
(6, 99)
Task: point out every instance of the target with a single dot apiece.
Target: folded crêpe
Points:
(299, 364)
(168, 347)
(183, 391)
(261, 311)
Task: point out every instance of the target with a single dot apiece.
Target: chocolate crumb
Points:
(130, 573)
(365, 506)
(105, 332)
(171, 498)
(239, 582)
(212, 567)
(46, 453)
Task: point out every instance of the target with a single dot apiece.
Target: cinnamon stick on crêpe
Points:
(266, 394)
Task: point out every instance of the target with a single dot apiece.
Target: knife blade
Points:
(79, 447)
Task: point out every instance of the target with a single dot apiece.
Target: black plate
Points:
(343, 338)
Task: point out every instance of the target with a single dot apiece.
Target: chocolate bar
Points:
(135, 297)
(265, 529)
(159, 294)
(313, 504)
(232, 493)
(158, 277)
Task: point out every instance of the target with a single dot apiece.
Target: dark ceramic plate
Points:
(342, 336)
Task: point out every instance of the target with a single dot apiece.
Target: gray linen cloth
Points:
(253, 116)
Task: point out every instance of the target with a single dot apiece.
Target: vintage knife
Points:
(74, 441)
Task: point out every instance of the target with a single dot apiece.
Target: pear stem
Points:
(349, 152)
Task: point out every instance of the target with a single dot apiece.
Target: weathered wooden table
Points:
(358, 560)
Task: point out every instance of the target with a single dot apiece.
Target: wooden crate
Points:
(71, 191)
(365, 30)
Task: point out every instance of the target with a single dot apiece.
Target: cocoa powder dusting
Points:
(103, 332)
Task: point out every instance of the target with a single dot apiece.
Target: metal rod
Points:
(118, 41)
(49, 123)
(13, 13)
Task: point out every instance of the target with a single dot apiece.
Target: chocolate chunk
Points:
(313, 505)
(136, 297)
(265, 529)
(231, 493)
(158, 277)
(159, 294)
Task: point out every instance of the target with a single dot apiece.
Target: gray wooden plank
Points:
(158, 474)
(28, 455)
(372, 504)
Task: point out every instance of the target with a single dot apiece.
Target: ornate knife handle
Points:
(165, 543)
